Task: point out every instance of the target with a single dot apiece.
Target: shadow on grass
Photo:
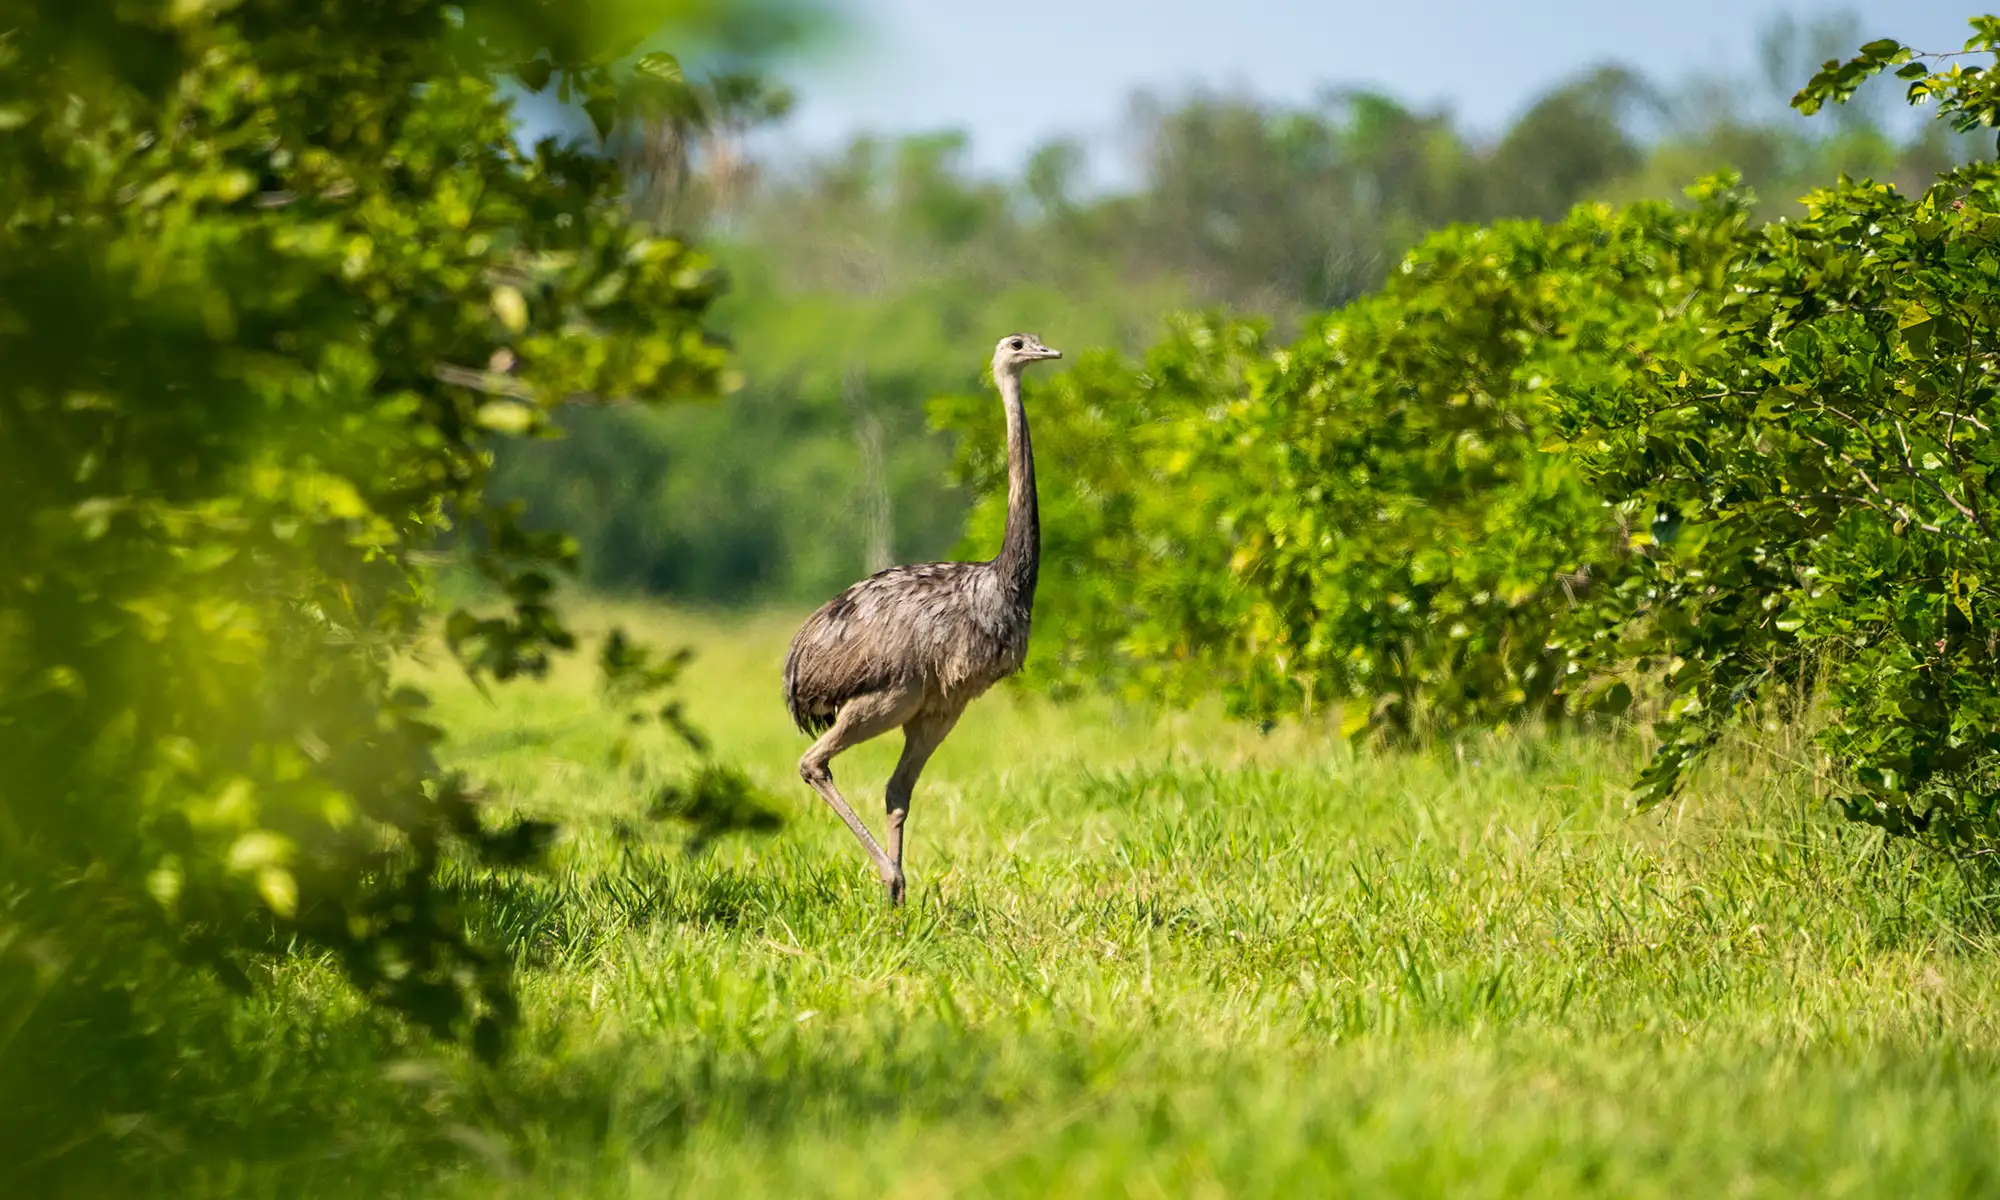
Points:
(544, 919)
(303, 1092)
(632, 1097)
(181, 1088)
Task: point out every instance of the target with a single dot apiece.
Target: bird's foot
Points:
(894, 884)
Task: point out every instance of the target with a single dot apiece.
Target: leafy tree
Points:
(273, 278)
(684, 154)
(1569, 145)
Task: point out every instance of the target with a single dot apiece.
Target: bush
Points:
(1128, 524)
(1829, 465)
(1546, 464)
(271, 280)
(1371, 517)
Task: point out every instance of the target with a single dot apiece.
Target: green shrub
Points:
(1829, 468)
(1547, 463)
(1129, 522)
(272, 277)
(1373, 516)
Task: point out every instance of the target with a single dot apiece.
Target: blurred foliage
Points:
(766, 497)
(273, 279)
(715, 799)
(871, 279)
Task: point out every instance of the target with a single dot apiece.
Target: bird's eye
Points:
(1015, 344)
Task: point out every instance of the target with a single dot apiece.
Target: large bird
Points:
(910, 647)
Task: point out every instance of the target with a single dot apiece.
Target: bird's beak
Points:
(1046, 352)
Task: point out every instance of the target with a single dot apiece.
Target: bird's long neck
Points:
(1020, 558)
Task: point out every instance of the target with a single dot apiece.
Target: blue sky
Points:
(1017, 72)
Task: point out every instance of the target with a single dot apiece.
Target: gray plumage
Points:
(951, 629)
(910, 647)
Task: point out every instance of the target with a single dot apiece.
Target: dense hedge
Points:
(1649, 449)
(1828, 458)
(1368, 516)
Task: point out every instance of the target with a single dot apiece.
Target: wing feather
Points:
(892, 628)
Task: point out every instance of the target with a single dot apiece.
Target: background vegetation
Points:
(864, 284)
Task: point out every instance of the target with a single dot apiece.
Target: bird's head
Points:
(1017, 350)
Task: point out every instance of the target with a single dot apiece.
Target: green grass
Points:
(1152, 956)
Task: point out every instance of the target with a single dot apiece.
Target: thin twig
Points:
(491, 382)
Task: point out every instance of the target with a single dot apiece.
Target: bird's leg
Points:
(920, 737)
(815, 771)
(860, 719)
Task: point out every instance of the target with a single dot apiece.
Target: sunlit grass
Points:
(1165, 956)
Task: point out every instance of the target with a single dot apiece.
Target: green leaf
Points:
(603, 114)
(509, 417)
(510, 307)
(534, 73)
(660, 65)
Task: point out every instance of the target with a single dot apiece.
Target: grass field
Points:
(1160, 956)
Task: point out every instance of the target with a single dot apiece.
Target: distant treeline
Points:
(866, 283)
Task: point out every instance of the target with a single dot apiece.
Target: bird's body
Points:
(947, 631)
(910, 647)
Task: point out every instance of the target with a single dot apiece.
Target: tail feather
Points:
(811, 719)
